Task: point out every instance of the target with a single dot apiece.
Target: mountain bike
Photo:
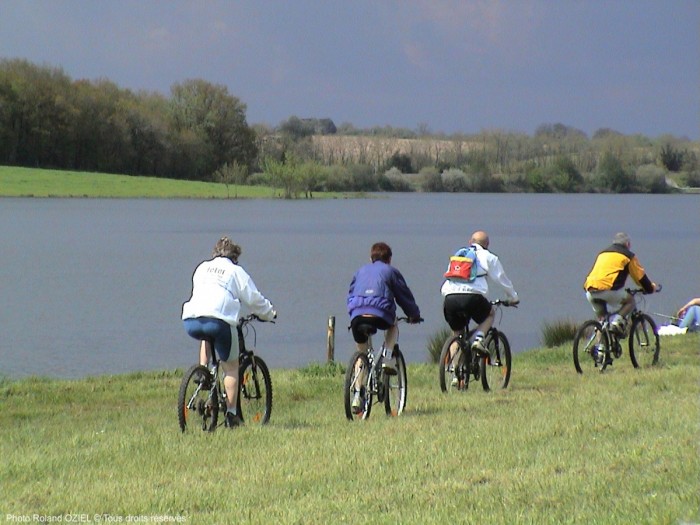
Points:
(202, 395)
(597, 343)
(366, 381)
(493, 370)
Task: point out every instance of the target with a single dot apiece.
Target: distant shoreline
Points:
(19, 182)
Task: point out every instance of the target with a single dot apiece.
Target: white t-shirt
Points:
(219, 287)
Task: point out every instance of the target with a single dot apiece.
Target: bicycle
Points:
(493, 370)
(364, 376)
(602, 344)
(202, 396)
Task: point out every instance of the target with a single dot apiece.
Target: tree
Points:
(310, 176)
(284, 175)
(563, 175)
(671, 158)
(233, 173)
(217, 119)
(296, 129)
(612, 175)
(401, 162)
(35, 114)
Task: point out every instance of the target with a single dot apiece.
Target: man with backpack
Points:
(466, 288)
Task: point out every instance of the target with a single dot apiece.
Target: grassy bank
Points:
(618, 447)
(30, 182)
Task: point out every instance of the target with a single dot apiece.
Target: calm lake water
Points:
(93, 286)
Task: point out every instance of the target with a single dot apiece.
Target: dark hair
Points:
(380, 252)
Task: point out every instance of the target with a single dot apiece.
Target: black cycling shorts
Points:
(360, 336)
(460, 308)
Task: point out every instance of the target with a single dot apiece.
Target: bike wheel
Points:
(451, 371)
(357, 387)
(197, 403)
(644, 342)
(591, 345)
(396, 387)
(495, 370)
(254, 391)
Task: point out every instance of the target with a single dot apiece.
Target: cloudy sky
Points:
(451, 65)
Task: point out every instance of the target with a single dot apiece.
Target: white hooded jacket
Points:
(219, 287)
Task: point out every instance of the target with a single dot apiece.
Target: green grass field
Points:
(555, 447)
(29, 182)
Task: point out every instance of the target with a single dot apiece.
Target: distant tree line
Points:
(48, 120)
(199, 132)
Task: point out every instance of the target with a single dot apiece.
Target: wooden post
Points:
(330, 340)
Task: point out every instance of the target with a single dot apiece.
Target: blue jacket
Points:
(376, 288)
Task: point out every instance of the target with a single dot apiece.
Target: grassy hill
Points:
(35, 182)
(555, 447)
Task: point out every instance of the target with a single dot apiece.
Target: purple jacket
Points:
(376, 288)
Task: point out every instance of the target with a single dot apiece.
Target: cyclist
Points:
(606, 281)
(375, 290)
(465, 300)
(219, 286)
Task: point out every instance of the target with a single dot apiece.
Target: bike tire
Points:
(254, 391)
(644, 344)
(357, 375)
(450, 371)
(590, 337)
(197, 400)
(496, 369)
(396, 387)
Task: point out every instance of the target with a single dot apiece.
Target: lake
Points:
(95, 286)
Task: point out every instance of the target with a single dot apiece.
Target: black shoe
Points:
(233, 420)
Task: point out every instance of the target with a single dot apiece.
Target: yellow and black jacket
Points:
(611, 268)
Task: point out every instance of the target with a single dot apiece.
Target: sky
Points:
(451, 66)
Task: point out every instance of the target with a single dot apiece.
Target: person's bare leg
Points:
(484, 327)
(204, 353)
(390, 336)
(230, 369)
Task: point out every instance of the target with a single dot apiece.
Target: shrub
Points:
(651, 179)
(401, 162)
(558, 332)
(394, 180)
(537, 181)
(363, 178)
(430, 180)
(612, 176)
(671, 158)
(436, 341)
(455, 181)
(260, 179)
(338, 179)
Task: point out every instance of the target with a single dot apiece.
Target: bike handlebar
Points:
(252, 317)
(408, 320)
(635, 291)
(502, 302)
